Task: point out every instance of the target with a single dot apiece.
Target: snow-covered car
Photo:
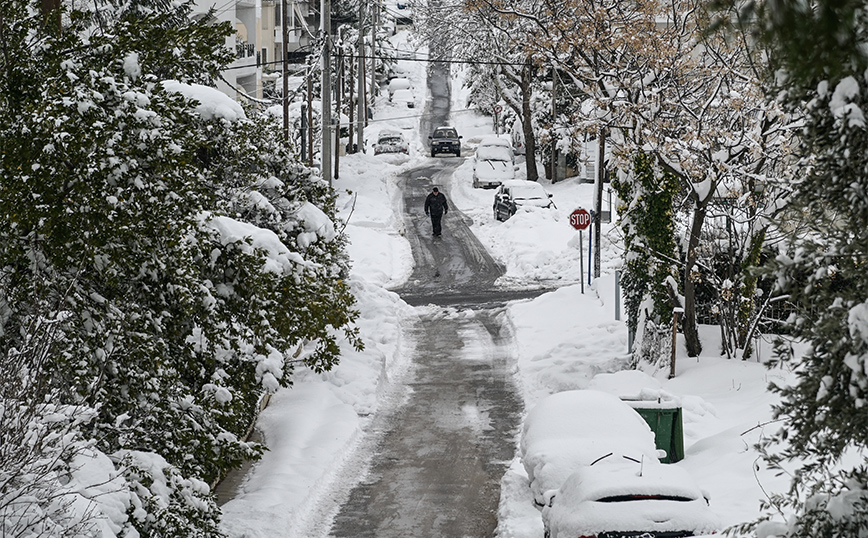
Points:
(570, 430)
(399, 83)
(445, 140)
(403, 98)
(516, 193)
(619, 498)
(391, 142)
(492, 165)
(496, 141)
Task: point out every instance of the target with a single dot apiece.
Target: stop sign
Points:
(580, 219)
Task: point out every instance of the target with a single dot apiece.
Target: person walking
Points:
(436, 207)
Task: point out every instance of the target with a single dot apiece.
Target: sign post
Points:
(590, 246)
(497, 110)
(580, 219)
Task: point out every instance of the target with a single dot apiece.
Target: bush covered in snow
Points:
(163, 259)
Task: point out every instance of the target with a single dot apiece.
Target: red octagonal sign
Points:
(580, 219)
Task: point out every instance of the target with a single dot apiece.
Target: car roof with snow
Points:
(493, 140)
(571, 429)
(493, 153)
(523, 189)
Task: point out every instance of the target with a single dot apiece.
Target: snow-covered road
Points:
(324, 432)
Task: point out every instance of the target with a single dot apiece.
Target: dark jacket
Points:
(436, 204)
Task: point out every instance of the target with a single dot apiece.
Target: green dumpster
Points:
(665, 421)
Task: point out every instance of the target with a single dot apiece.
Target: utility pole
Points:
(598, 197)
(305, 134)
(284, 30)
(361, 103)
(350, 108)
(339, 98)
(375, 20)
(325, 28)
(309, 112)
(554, 157)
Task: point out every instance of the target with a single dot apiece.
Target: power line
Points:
(425, 60)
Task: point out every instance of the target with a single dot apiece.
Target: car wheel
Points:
(433, 153)
(458, 153)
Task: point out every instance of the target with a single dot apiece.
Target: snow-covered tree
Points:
(501, 72)
(646, 218)
(817, 49)
(184, 257)
(648, 76)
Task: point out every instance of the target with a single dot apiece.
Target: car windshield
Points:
(493, 153)
(445, 133)
(391, 140)
(528, 192)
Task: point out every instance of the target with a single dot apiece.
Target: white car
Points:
(492, 140)
(403, 98)
(519, 193)
(391, 142)
(492, 165)
(399, 83)
(571, 430)
(619, 498)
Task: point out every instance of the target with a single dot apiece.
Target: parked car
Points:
(399, 83)
(496, 141)
(445, 140)
(391, 142)
(619, 498)
(570, 430)
(515, 193)
(492, 165)
(403, 98)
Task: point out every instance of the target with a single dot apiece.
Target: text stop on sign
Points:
(580, 219)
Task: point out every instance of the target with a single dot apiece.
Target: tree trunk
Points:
(598, 197)
(51, 13)
(691, 333)
(747, 310)
(527, 125)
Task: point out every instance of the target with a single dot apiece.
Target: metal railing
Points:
(245, 50)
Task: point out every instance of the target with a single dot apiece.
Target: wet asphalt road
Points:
(438, 465)
(438, 459)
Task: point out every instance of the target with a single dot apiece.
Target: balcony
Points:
(245, 50)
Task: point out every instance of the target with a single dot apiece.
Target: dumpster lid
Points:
(651, 404)
(652, 399)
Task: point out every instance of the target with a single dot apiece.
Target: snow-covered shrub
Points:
(177, 247)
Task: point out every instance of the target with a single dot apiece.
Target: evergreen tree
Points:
(182, 256)
(647, 220)
(818, 49)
